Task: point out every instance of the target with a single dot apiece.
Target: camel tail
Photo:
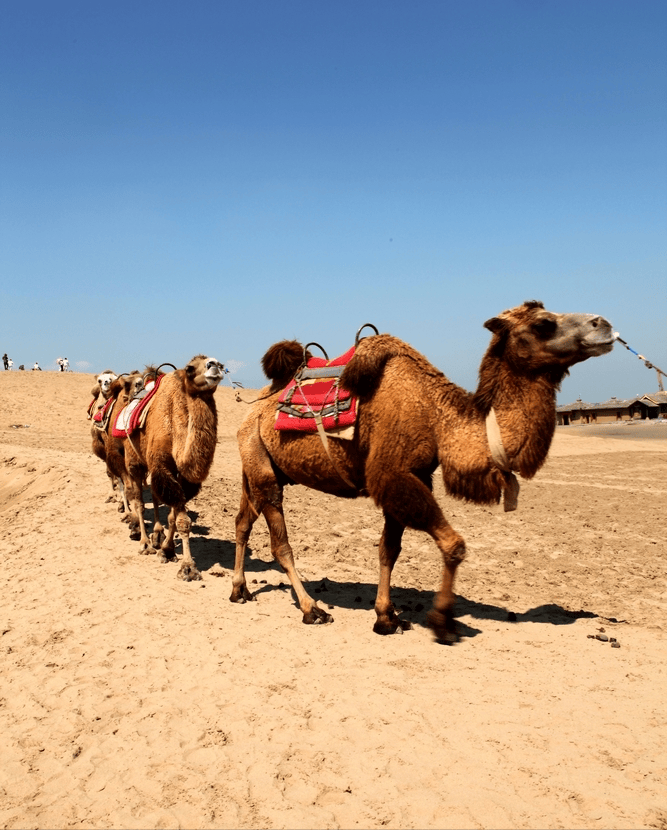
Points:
(364, 372)
(281, 362)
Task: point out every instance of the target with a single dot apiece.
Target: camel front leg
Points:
(157, 536)
(188, 571)
(136, 495)
(245, 519)
(441, 617)
(388, 621)
(282, 552)
(168, 546)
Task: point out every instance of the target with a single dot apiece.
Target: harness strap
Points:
(325, 442)
(326, 411)
(501, 460)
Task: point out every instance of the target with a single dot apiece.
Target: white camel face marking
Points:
(105, 380)
(214, 371)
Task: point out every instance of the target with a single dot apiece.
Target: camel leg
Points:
(245, 519)
(135, 491)
(441, 617)
(409, 500)
(123, 505)
(168, 546)
(188, 571)
(114, 497)
(282, 552)
(390, 546)
(157, 536)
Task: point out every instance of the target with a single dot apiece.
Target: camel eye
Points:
(544, 327)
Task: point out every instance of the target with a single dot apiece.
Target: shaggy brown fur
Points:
(412, 419)
(281, 362)
(176, 446)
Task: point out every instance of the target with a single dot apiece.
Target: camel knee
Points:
(455, 555)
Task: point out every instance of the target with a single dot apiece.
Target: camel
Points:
(103, 388)
(176, 447)
(411, 420)
(120, 391)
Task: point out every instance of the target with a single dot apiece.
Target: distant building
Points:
(615, 409)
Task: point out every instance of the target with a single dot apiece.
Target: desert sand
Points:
(131, 699)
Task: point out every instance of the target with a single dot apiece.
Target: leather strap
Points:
(501, 460)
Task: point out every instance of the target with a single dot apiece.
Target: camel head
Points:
(531, 338)
(203, 374)
(104, 381)
(127, 385)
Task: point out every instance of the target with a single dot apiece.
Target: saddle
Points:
(103, 414)
(315, 394)
(133, 415)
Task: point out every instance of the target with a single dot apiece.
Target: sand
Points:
(131, 699)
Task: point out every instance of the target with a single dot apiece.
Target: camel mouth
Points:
(599, 347)
(214, 371)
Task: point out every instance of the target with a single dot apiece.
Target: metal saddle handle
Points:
(365, 326)
(305, 352)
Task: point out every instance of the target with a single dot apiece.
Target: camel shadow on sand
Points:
(413, 603)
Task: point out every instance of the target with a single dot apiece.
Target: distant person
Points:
(36, 367)
(5, 360)
(21, 368)
(10, 363)
(59, 361)
(65, 365)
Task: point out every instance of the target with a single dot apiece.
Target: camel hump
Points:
(281, 361)
(363, 373)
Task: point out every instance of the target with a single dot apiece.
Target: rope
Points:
(647, 362)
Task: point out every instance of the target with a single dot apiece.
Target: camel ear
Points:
(496, 324)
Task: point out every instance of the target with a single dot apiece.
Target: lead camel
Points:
(411, 420)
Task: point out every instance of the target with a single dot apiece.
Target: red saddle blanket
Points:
(101, 416)
(132, 416)
(316, 389)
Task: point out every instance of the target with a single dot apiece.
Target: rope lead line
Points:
(647, 362)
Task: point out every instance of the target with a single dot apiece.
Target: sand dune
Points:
(131, 699)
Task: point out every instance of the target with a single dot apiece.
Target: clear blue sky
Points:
(184, 177)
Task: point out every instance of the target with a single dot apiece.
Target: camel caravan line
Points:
(377, 422)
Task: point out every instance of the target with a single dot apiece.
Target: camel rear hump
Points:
(363, 373)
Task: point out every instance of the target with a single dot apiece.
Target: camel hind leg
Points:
(282, 553)
(268, 500)
(388, 621)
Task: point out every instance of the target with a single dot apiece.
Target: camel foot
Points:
(109, 499)
(391, 623)
(167, 555)
(157, 538)
(241, 595)
(443, 626)
(135, 534)
(316, 616)
(394, 626)
(146, 549)
(121, 508)
(188, 573)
